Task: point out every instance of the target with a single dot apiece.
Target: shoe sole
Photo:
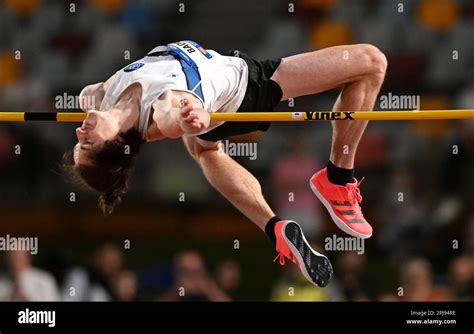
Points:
(338, 221)
(319, 271)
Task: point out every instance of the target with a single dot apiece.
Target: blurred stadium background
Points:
(155, 243)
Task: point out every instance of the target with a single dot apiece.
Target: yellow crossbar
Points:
(389, 115)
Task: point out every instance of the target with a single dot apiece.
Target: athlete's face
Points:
(97, 128)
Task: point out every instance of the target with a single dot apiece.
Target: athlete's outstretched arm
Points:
(233, 181)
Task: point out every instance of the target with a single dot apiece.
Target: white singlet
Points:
(222, 85)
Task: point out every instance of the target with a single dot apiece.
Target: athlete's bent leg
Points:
(360, 71)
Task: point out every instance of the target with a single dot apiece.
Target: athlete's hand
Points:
(193, 120)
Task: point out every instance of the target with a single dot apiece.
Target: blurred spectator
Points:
(192, 281)
(417, 282)
(228, 275)
(56, 263)
(461, 277)
(407, 229)
(25, 282)
(96, 283)
(125, 286)
(350, 271)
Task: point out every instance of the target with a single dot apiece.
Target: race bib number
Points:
(191, 52)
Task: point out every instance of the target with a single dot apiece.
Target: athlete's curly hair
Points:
(109, 169)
